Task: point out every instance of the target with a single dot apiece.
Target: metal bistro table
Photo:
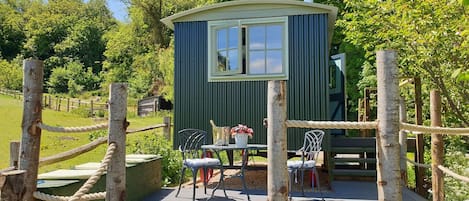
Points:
(232, 147)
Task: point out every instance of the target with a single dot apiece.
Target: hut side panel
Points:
(229, 103)
(308, 97)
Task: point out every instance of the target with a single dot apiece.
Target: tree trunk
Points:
(115, 179)
(388, 149)
(32, 114)
(277, 174)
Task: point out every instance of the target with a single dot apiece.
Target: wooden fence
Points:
(57, 103)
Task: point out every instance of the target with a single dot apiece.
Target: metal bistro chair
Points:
(190, 142)
(309, 153)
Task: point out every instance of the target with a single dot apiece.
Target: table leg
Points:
(229, 153)
(243, 168)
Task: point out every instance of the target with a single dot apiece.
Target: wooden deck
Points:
(341, 190)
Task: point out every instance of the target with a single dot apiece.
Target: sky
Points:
(118, 9)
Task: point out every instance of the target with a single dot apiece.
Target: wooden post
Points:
(68, 104)
(33, 74)
(403, 141)
(167, 128)
(115, 179)
(277, 174)
(50, 102)
(388, 149)
(367, 110)
(437, 147)
(57, 103)
(419, 143)
(14, 153)
(12, 185)
(91, 107)
(44, 102)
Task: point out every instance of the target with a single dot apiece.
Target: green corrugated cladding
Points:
(229, 103)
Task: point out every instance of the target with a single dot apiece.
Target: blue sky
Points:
(118, 9)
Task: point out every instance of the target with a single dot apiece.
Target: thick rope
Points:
(94, 178)
(453, 174)
(434, 130)
(332, 124)
(91, 196)
(418, 164)
(81, 193)
(72, 129)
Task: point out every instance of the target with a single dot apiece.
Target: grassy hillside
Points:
(52, 143)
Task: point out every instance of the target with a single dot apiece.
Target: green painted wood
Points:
(229, 103)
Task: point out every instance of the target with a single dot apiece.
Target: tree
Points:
(63, 30)
(427, 37)
(11, 33)
(11, 74)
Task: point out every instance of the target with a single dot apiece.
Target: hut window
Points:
(249, 49)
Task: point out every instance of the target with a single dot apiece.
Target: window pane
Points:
(274, 61)
(221, 39)
(256, 62)
(221, 64)
(274, 37)
(233, 60)
(233, 37)
(257, 37)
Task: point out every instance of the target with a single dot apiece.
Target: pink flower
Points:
(240, 128)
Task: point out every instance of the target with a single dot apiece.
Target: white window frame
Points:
(238, 75)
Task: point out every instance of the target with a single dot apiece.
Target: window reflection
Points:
(265, 49)
(227, 49)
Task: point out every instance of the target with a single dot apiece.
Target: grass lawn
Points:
(53, 143)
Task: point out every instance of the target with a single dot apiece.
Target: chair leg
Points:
(183, 171)
(194, 181)
(302, 177)
(317, 179)
(220, 182)
(204, 180)
(290, 186)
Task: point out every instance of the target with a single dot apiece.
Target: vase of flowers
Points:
(241, 133)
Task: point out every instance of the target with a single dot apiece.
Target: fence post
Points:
(60, 103)
(387, 138)
(403, 141)
(31, 134)
(437, 147)
(68, 104)
(50, 102)
(115, 179)
(167, 128)
(91, 107)
(12, 185)
(277, 174)
(14, 153)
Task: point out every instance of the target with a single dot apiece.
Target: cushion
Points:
(201, 162)
(295, 164)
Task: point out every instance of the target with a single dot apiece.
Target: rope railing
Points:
(332, 124)
(418, 164)
(434, 130)
(72, 129)
(147, 128)
(81, 193)
(91, 196)
(453, 174)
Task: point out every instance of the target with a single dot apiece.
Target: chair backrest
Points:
(190, 141)
(312, 144)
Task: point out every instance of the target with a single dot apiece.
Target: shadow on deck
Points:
(341, 190)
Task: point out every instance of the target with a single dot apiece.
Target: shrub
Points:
(171, 159)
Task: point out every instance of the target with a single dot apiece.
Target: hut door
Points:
(337, 106)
